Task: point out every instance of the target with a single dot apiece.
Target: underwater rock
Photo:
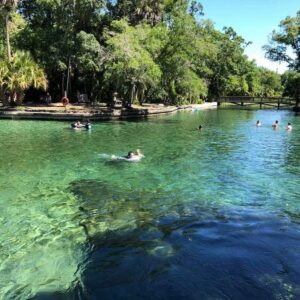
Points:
(106, 208)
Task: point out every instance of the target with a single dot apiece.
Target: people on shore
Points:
(48, 98)
(289, 127)
(276, 125)
(258, 123)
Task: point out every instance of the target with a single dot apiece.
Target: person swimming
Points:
(289, 127)
(134, 156)
(258, 124)
(276, 124)
(129, 155)
(138, 153)
(76, 125)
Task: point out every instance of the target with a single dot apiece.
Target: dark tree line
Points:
(144, 50)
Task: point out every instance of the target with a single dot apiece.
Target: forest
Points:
(162, 51)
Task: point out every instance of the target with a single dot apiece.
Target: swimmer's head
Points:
(200, 127)
(289, 124)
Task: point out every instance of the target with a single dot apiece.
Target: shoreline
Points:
(97, 114)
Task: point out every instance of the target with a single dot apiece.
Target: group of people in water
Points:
(289, 126)
(276, 125)
(131, 156)
(137, 155)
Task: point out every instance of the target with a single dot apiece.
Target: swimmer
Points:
(289, 127)
(88, 124)
(129, 155)
(275, 125)
(138, 153)
(76, 125)
(258, 124)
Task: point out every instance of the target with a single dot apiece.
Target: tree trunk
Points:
(68, 78)
(9, 56)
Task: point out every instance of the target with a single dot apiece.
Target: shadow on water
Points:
(152, 245)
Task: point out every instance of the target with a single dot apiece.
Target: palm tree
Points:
(18, 75)
(4, 70)
(7, 7)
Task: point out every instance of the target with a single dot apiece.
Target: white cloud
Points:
(271, 65)
(261, 61)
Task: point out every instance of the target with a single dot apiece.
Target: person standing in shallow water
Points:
(289, 127)
(258, 124)
(276, 125)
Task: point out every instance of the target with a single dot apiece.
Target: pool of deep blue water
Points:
(211, 214)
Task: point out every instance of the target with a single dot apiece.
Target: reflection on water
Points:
(206, 215)
(187, 251)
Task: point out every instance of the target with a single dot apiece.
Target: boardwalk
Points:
(278, 102)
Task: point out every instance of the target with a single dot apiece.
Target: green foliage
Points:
(130, 66)
(145, 50)
(139, 11)
(18, 75)
(286, 39)
(291, 84)
(230, 66)
(283, 43)
(183, 61)
(270, 83)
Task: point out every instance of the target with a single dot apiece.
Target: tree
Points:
(288, 37)
(143, 49)
(18, 75)
(291, 84)
(230, 65)
(282, 43)
(64, 37)
(270, 83)
(6, 9)
(130, 66)
(183, 60)
(139, 11)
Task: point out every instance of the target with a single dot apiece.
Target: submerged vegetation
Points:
(144, 50)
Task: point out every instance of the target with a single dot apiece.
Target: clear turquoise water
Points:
(205, 215)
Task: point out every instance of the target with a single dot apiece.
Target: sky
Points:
(254, 20)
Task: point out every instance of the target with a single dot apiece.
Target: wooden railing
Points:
(249, 100)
